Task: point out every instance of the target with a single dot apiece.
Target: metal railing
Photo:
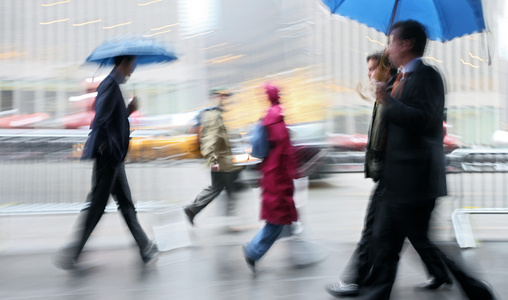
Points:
(43, 176)
(480, 187)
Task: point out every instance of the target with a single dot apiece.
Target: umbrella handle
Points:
(383, 66)
(134, 90)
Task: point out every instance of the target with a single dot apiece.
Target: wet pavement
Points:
(213, 267)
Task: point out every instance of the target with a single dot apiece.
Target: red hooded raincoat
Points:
(278, 168)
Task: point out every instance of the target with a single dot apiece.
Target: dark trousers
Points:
(359, 264)
(108, 178)
(220, 181)
(394, 222)
(361, 261)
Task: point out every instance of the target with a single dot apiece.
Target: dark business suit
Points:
(108, 143)
(361, 261)
(413, 176)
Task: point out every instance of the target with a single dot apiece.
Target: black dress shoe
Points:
(250, 262)
(342, 289)
(190, 215)
(65, 262)
(434, 284)
(150, 254)
(65, 259)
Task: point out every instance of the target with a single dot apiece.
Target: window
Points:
(6, 102)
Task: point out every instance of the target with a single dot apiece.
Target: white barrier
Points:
(482, 188)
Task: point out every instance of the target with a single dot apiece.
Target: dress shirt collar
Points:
(411, 65)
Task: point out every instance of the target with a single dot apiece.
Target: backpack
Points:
(259, 141)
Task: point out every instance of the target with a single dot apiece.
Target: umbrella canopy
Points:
(147, 51)
(443, 19)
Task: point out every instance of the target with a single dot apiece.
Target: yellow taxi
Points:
(148, 145)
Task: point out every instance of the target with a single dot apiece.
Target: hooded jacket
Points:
(278, 168)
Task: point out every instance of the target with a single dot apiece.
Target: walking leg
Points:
(263, 240)
(208, 194)
(122, 194)
(103, 175)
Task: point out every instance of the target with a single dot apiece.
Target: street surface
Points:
(211, 265)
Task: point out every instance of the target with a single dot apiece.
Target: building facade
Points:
(236, 44)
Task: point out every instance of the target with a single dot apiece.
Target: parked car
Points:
(358, 142)
(500, 139)
(23, 121)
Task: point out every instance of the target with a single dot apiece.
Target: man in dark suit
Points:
(414, 170)
(107, 144)
(361, 261)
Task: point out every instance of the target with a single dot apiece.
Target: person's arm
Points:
(219, 141)
(417, 112)
(104, 107)
(210, 137)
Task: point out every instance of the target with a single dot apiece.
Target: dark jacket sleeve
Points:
(106, 101)
(418, 112)
(104, 105)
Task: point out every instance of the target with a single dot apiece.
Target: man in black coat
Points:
(414, 169)
(107, 144)
(361, 261)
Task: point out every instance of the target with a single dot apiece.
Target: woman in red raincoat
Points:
(279, 170)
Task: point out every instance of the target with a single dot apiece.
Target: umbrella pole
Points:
(93, 77)
(393, 14)
(383, 62)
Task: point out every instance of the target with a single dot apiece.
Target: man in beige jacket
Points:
(216, 149)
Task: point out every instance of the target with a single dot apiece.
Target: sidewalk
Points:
(213, 267)
(217, 270)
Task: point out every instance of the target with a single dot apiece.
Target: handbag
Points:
(259, 141)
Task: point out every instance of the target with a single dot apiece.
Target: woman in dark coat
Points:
(279, 170)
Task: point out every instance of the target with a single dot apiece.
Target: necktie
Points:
(399, 84)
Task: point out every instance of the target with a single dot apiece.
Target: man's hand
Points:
(215, 168)
(380, 90)
(133, 106)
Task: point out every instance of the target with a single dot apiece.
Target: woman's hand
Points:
(380, 90)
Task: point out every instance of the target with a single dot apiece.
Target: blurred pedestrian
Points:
(278, 169)
(107, 145)
(216, 148)
(413, 168)
(360, 263)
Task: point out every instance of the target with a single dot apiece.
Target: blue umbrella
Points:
(147, 51)
(444, 19)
